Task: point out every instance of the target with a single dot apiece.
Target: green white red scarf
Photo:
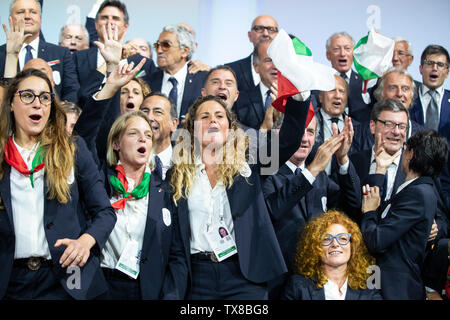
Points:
(120, 184)
(15, 160)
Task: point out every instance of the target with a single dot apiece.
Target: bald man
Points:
(263, 28)
(41, 65)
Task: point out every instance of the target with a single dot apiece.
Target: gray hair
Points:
(14, 1)
(338, 34)
(399, 39)
(86, 33)
(387, 105)
(379, 91)
(184, 37)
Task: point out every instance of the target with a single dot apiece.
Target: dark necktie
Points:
(159, 166)
(298, 171)
(344, 76)
(28, 55)
(385, 186)
(336, 120)
(173, 94)
(302, 203)
(268, 100)
(432, 112)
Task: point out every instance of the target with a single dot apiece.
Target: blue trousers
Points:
(223, 281)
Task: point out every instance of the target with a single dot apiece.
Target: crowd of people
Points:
(128, 174)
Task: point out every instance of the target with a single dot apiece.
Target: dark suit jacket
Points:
(61, 221)
(157, 248)
(416, 114)
(399, 240)
(157, 242)
(86, 64)
(62, 65)
(357, 108)
(249, 107)
(301, 288)
(260, 257)
(192, 88)
(289, 214)
(243, 70)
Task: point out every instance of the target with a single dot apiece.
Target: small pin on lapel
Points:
(160, 190)
(190, 80)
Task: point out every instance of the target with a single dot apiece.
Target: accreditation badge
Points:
(129, 259)
(221, 242)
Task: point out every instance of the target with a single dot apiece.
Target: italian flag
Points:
(372, 56)
(297, 72)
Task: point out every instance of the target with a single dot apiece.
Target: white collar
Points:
(293, 167)
(180, 75)
(34, 44)
(396, 160)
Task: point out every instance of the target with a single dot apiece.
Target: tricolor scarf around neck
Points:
(15, 160)
(120, 184)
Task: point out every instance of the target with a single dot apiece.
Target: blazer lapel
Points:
(257, 103)
(445, 111)
(5, 194)
(247, 71)
(187, 94)
(155, 201)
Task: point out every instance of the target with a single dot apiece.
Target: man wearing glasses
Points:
(432, 110)
(174, 50)
(263, 28)
(432, 106)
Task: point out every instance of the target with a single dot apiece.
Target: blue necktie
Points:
(28, 55)
(159, 166)
(268, 101)
(298, 171)
(173, 94)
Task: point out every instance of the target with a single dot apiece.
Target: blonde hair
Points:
(234, 153)
(59, 149)
(309, 250)
(117, 130)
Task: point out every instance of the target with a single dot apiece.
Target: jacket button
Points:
(49, 225)
(144, 260)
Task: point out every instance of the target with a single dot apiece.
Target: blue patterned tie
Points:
(28, 55)
(173, 94)
(268, 101)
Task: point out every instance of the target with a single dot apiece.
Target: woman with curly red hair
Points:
(331, 261)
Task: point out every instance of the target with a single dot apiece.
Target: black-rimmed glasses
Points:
(431, 63)
(28, 96)
(391, 125)
(260, 29)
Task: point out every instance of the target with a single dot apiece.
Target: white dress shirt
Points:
(332, 291)
(28, 209)
(305, 171)
(391, 172)
(425, 99)
(207, 207)
(130, 225)
(34, 51)
(167, 85)
(255, 75)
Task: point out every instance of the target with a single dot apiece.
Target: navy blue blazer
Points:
(86, 64)
(260, 257)
(357, 108)
(192, 89)
(62, 67)
(398, 241)
(157, 242)
(416, 113)
(243, 70)
(284, 193)
(300, 288)
(157, 248)
(61, 221)
(249, 107)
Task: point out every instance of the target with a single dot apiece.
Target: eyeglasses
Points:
(402, 53)
(391, 125)
(431, 63)
(341, 238)
(260, 29)
(28, 96)
(165, 45)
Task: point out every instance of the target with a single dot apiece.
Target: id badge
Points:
(221, 242)
(129, 259)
